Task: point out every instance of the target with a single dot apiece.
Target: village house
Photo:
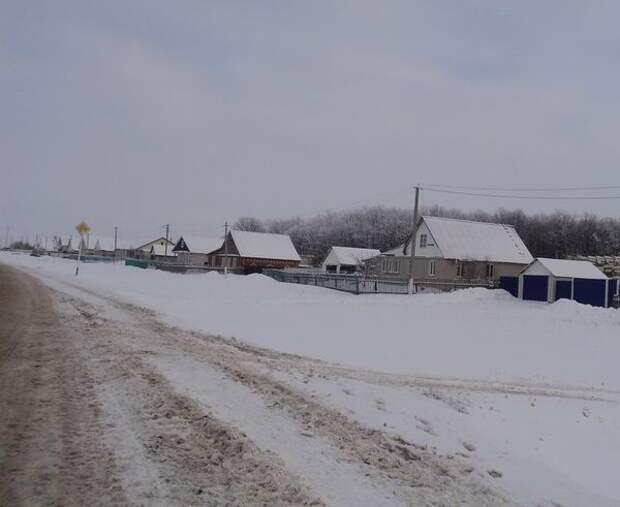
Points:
(251, 252)
(342, 259)
(194, 251)
(157, 249)
(454, 250)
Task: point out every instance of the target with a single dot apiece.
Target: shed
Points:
(343, 259)
(553, 279)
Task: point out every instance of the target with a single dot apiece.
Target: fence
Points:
(347, 283)
(357, 284)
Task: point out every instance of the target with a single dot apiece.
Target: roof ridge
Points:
(468, 221)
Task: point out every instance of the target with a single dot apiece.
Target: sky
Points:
(138, 114)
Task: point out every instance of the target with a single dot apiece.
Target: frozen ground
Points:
(528, 391)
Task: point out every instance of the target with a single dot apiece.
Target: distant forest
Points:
(558, 234)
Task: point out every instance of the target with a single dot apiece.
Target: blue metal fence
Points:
(590, 292)
(510, 284)
(612, 290)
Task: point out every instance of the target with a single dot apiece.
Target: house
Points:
(193, 250)
(552, 279)
(454, 250)
(342, 259)
(160, 248)
(251, 252)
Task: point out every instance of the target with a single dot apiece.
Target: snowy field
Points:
(527, 389)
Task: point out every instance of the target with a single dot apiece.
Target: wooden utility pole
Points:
(225, 248)
(167, 226)
(413, 238)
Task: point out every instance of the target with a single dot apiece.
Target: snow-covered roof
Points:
(262, 245)
(348, 256)
(197, 244)
(158, 247)
(475, 241)
(562, 268)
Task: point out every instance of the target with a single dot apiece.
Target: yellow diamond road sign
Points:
(82, 228)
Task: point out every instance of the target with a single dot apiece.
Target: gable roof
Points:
(197, 244)
(562, 268)
(262, 245)
(474, 241)
(158, 247)
(161, 239)
(350, 256)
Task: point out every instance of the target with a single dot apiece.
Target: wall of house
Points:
(445, 269)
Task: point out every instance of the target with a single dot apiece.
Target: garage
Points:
(553, 279)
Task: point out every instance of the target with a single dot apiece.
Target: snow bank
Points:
(473, 333)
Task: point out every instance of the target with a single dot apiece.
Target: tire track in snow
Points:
(419, 476)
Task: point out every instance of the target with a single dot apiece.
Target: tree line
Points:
(558, 235)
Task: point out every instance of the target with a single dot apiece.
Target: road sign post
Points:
(82, 229)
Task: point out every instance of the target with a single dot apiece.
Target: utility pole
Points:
(225, 248)
(115, 241)
(6, 237)
(413, 238)
(167, 227)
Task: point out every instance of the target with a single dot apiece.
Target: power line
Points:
(531, 197)
(513, 189)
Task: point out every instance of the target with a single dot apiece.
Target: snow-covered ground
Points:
(527, 389)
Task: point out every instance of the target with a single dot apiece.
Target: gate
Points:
(563, 289)
(535, 287)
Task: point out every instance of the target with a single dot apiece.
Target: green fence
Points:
(138, 263)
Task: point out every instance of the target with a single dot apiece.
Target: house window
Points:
(432, 269)
(459, 270)
(423, 240)
(391, 265)
(490, 270)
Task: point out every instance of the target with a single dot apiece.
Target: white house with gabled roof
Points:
(449, 249)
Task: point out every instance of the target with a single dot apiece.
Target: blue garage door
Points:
(510, 284)
(612, 290)
(535, 287)
(563, 289)
(590, 292)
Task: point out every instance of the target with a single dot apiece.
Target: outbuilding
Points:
(194, 250)
(251, 252)
(552, 279)
(342, 259)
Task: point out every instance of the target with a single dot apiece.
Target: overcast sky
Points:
(141, 113)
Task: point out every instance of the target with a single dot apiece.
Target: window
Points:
(423, 240)
(490, 270)
(459, 269)
(391, 265)
(432, 269)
